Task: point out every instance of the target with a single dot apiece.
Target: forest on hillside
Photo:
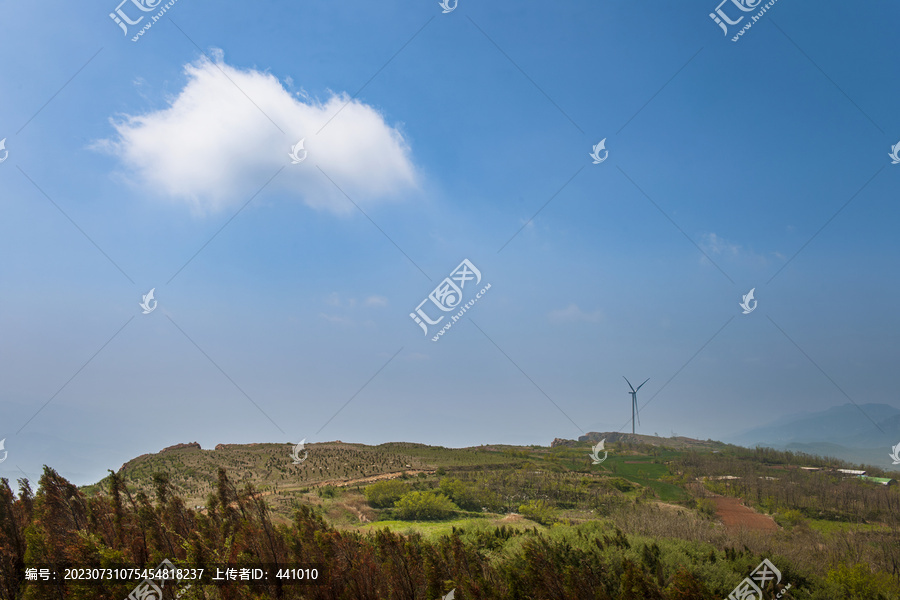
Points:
(632, 551)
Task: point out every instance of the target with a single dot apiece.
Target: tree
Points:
(686, 586)
(426, 506)
(859, 582)
(385, 493)
(636, 585)
(537, 510)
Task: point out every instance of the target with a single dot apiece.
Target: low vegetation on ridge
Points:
(413, 521)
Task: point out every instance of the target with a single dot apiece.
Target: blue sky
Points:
(450, 133)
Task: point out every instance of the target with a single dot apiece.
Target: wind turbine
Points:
(634, 406)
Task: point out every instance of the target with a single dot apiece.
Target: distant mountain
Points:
(858, 434)
(857, 456)
(867, 439)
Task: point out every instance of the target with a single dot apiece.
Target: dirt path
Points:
(733, 513)
(359, 515)
(370, 479)
(736, 516)
(672, 507)
(341, 482)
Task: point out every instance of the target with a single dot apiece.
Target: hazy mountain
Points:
(859, 434)
(879, 457)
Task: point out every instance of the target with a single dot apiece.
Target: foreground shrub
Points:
(537, 510)
(424, 506)
(791, 518)
(859, 582)
(706, 506)
(470, 497)
(636, 585)
(686, 586)
(384, 493)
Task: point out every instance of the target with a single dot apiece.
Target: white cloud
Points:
(337, 319)
(349, 306)
(573, 313)
(213, 147)
(335, 299)
(714, 244)
(376, 301)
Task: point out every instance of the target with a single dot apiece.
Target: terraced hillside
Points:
(192, 471)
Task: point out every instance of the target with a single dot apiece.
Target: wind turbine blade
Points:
(629, 383)
(642, 385)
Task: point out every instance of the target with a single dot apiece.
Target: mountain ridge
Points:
(855, 433)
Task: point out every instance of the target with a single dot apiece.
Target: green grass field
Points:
(646, 471)
(436, 529)
(828, 527)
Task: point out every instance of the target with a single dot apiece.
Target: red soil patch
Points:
(736, 516)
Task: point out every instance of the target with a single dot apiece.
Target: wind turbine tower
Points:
(634, 404)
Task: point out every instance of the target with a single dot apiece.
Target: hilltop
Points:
(636, 465)
(612, 437)
(193, 471)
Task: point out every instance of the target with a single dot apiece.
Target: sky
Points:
(285, 274)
